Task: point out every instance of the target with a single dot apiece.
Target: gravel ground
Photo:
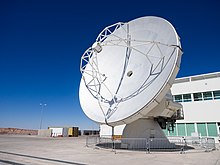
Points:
(33, 150)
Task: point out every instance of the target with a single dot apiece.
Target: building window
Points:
(178, 98)
(190, 129)
(187, 98)
(216, 94)
(207, 95)
(212, 129)
(201, 127)
(197, 96)
(181, 129)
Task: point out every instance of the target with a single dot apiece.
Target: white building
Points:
(200, 97)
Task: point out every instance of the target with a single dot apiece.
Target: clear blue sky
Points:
(41, 43)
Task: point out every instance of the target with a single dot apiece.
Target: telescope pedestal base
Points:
(144, 133)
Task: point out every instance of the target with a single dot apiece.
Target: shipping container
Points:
(64, 131)
(70, 131)
(56, 132)
(73, 131)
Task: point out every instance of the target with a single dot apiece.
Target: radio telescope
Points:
(127, 75)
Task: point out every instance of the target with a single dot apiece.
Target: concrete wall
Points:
(106, 130)
(193, 86)
(44, 132)
(199, 111)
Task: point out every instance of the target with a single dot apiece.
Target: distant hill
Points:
(17, 131)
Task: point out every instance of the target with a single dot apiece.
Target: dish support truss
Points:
(94, 79)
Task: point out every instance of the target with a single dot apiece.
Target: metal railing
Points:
(181, 144)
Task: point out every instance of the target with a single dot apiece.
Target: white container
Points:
(56, 132)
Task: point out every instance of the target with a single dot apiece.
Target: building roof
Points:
(197, 77)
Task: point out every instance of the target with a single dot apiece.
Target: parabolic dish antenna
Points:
(128, 70)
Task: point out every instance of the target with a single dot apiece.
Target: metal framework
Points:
(94, 78)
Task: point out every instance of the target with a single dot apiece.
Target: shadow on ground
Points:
(35, 157)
